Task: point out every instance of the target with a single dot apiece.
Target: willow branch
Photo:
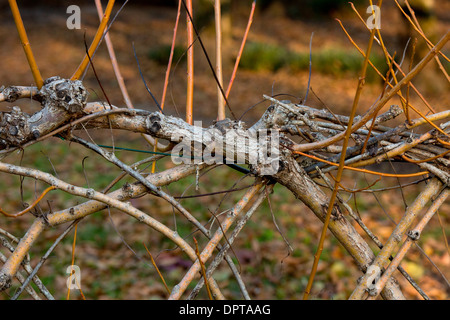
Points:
(179, 289)
(9, 269)
(380, 103)
(219, 257)
(26, 44)
(383, 256)
(95, 43)
(413, 236)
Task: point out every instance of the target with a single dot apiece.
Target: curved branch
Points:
(10, 268)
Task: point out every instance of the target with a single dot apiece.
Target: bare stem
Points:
(26, 44)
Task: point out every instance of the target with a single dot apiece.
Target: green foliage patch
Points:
(262, 56)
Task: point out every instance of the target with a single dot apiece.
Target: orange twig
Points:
(73, 262)
(401, 149)
(157, 269)
(425, 160)
(190, 64)
(241, 49)
(420, 32)
(166, 79)
(30, 207)
(408, 118)
(427, 120)
(118, 74)
(26, 44)
(169, 64)
(203, 269)
(395, 63)
(391, 175)
(358, 190)
(390, 60)
(113, 59)
(441, 67)
(95, 43)
(218, 24)
(380, 103)
(340, 167)
(433, 117)
(390, 71)
(443, 142)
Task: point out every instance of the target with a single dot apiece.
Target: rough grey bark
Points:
(62, 100)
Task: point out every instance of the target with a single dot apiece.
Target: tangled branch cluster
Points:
(313, 144)
(65, 109)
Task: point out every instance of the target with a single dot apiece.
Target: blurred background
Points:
(275, 61)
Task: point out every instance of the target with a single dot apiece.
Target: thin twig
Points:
(188, 11)
(95, 43)
(203, 270)
(218, 25)
(26, 44)
(373, 237)
(29, 208)
(239, 226)
(383, 256)
(179, 289)
(190, 62)
(413, 236)
(112, 56)
(43, 259)
(157, 269)
(340, 168)
(310, 69)
(241, 49)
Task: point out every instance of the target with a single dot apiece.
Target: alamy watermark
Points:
(231, 146)
(374, 20)
(374, 273)
(74, 20)
(74, 279)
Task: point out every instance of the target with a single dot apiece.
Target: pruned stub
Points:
(10, 93)
(154, 124)
(14, 127)
(63, 93)
(5, 281)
